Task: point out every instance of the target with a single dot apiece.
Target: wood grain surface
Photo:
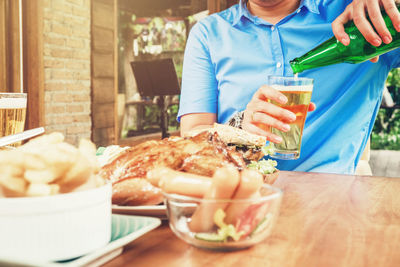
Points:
(325, 220)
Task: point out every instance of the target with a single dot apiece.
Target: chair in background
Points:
(156, 78)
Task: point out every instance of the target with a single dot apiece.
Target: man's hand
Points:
(260, 115)
(357, 11)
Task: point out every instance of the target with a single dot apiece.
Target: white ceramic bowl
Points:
(54, 228)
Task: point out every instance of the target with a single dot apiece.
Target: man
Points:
(230, 54)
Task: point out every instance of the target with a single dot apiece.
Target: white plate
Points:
(125, 229)
(159, 211)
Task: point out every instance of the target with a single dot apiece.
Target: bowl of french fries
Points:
(53, 206)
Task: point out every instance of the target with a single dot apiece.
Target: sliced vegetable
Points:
(268, 149)
(211, 237)
(265, 222)
(265, 166)
(230, 231)
(250, 218)
(219, 217)
(100, 151)
(224, 231)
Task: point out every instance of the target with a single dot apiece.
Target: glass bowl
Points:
(224, 224)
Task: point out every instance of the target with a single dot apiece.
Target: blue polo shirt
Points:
(229, 55)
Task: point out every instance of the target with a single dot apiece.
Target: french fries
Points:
(47, 165)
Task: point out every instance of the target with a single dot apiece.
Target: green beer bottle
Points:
(333, 52)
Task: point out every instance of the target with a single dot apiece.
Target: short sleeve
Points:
(199, 92)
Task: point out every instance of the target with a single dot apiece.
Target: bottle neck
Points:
(296, 66)
(325, 54)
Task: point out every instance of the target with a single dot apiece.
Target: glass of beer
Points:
(298, 91)
(12, 113)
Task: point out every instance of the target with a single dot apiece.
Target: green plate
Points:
(159, 211)
(125, 229)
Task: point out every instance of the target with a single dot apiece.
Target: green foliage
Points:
(150, 38)
(170, 34)
(152, 117)
(151, 121)
(173, 124)
(393, 78)
(386, 131)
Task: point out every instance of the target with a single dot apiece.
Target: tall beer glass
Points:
(12, 113)
(298, 92)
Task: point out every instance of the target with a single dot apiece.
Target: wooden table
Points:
(325, 220)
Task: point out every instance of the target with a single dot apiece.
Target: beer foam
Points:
(12, 103)
(301, 88)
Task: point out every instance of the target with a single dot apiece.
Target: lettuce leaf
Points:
(265, 166)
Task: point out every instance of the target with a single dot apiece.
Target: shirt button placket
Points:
(277, 48)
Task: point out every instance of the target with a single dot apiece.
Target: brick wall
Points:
(67, 61)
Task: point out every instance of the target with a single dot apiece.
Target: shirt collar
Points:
(243, 11)
(310, 5)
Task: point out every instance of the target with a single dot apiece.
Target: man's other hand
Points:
(357, 11)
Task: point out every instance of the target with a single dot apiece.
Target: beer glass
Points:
(12, 113)
(298, 91)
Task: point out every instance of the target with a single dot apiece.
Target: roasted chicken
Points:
(200, 154)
